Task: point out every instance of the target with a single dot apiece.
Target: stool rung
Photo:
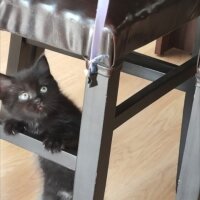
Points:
(31, 144)
(154, 91)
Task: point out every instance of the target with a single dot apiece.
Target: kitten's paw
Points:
(63, 195)
(53, 144)
(12, 127)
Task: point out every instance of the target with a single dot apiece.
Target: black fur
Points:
(47, 115)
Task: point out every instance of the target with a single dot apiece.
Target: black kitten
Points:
(37, 107)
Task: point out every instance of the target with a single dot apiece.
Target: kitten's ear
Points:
(42, 65)
(5, 83)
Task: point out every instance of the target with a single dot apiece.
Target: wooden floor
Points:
(144, 151)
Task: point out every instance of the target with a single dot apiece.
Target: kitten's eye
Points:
(43, 89)
(23, 96)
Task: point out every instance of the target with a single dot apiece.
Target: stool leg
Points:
(21, 54)
(95, 138)
(189, 96)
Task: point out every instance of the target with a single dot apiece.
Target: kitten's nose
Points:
(39, 104)
(37, 100)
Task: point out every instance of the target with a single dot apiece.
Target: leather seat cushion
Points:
(69, 25)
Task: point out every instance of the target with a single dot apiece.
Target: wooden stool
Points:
(67, 27)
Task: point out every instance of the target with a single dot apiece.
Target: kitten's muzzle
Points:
(39, 104)
(37, 100)
(40, 107)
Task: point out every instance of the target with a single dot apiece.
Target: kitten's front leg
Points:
(55, 142)
(52, 143)
(12, 127)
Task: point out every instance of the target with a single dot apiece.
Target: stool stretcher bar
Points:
(33, 145)
(154, 91)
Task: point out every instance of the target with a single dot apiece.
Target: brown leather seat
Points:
(68, 25)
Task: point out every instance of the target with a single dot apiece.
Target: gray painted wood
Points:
(154, 91)
(189, 181)
(197, 38)
(189, 97)
(95, 138)
(63, 158)
(21, 54)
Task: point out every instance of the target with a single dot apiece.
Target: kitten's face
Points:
(32, 94)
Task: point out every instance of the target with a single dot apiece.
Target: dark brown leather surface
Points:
(68, 24)
(138, 22)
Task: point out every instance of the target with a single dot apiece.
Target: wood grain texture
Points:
(144, 150)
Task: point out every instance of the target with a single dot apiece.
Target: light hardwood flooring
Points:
(144, 150)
